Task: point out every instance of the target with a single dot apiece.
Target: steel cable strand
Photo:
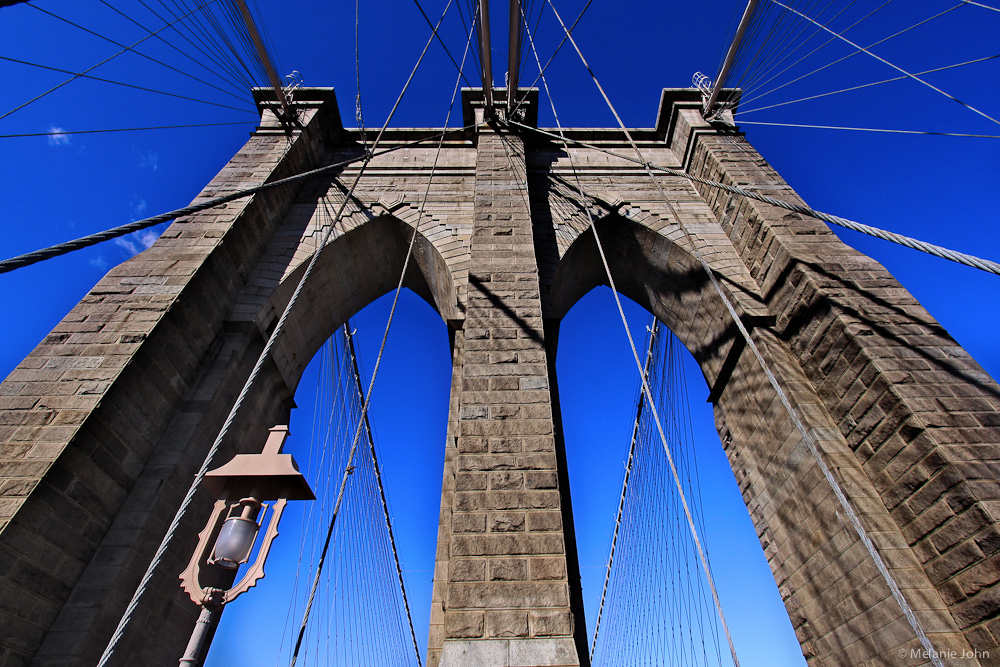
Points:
(201, 33)
(234, 82)
(872, 129)
(757, 81)
(987, 265)
(392, 310)
(118, 129)
(35, 256)
(979, 4)
(125, 85)
(744, 112)
(807, 438)
(150, 33)
(227, 40)
(264, 356)
(770, 41)
(773, 59)
(541, 70)
(628, 332)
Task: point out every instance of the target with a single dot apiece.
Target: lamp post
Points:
(242, 488)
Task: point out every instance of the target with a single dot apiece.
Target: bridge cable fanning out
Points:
(750, 80)
(657, 612)
(895, 67)
(264, 356)
(744, 112)
(807, 438)
(93, 67)
(226, 75)
(645, 385)
(174, 25)
(378, 360)
(745, 100)
(361, 610)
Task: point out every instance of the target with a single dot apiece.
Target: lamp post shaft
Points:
(202, 634)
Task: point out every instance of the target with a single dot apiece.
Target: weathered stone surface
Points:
(103, 425)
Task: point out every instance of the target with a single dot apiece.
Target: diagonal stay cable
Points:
(60, 133)
(131, 48)
(895, 67)
(628, 332)
(385, 335)
(743, 112)
(873, 129)
(807, 439)
(69, 246)
(938, 251)
(264, 355)
(89, 69)
(126, 85)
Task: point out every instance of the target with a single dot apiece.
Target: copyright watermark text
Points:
(951, 654)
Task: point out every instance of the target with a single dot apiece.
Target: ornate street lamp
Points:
(242, 488)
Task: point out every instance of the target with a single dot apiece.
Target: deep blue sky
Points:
(941, 189)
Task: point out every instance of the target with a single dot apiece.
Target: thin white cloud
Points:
(138, 241)
(148, 160)
(99, 262)
(57, 138)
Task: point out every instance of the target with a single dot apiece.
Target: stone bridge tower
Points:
(105, 422)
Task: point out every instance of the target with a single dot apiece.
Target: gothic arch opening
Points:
(598, 387)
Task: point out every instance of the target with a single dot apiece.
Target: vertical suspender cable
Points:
(654, 333)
